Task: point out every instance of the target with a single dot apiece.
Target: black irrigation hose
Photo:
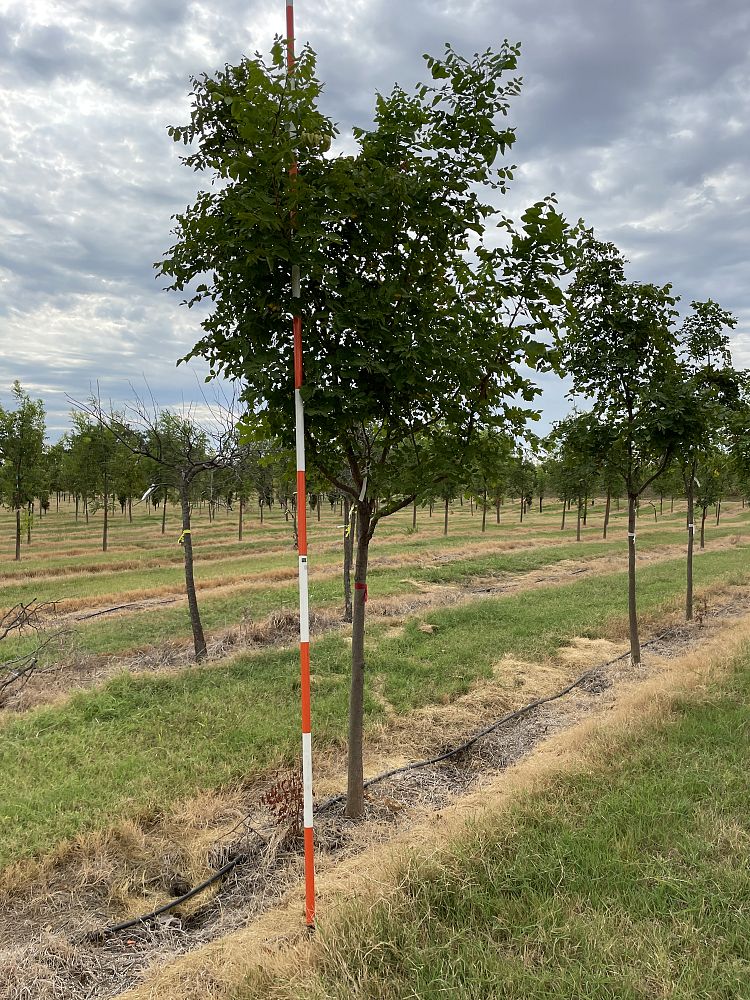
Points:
(106, 932)
(231, 865)
(519, 713)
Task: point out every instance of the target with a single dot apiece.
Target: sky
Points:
(636, 113)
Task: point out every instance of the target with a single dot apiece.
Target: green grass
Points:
(629, 883)
(140, 743)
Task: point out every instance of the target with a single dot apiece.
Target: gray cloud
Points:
(636, 114)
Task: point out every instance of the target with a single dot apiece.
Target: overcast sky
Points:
(635, 112)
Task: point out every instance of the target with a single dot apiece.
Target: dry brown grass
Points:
(275, 941)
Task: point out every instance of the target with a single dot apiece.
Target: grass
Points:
(630, 882)
(140, 743)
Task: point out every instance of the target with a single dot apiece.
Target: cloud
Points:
(636, 114)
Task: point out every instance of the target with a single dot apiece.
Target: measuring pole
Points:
(304, 612)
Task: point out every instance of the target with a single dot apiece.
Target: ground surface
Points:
(130, 775)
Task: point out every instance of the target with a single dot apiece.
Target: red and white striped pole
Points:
(304, 612)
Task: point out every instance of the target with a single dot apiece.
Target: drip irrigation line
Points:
(146, 918)
(106, 932)
(510, 717)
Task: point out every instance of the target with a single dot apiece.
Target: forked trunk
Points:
(199, 640)
(355, 793)
(635, 644)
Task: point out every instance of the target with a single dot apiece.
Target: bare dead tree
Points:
(184, 448)
(16, 672)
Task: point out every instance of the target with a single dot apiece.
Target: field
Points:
(130, 774)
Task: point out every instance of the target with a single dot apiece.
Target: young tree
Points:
(182, 451)
(404, 330)
(714, 391)
(22, 432)
(620, 350)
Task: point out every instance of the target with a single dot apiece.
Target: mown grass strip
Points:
(140, 743)
(630, 882)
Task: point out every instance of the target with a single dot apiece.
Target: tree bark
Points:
(355, 794)
(199, 640)
(348, 555)
(607, 504)
(691, 542)
(105, 528)
(635, 644)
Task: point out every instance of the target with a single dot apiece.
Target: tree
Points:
(714, 391)
(22, 432)
(405, 331)
(620, 349)
(575, 445)
(182, 451)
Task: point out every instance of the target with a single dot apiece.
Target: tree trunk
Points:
(540, 503)
(130, 510)
(585, 509)
(317, 507)
(484, 511)
(578, 521)
(565, 510)
(497, 511)
(414, 516)
(29, 519)
(607, 504)
(164, 513)
(691, 541)
(77, 502)
(522, 509)
(703, 527)
(635, 644)
(261, 512)
(348, 554)
(18, 533)
(239, 525)
(445, 519)
(86, 508)
(718, 511)
(661, 503)
(199, 640)
(355, 794)
(105, 527)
